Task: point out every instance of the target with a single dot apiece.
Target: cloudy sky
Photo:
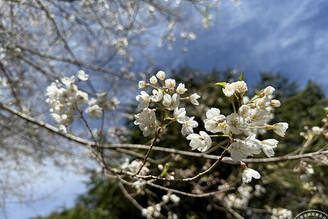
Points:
(287, 36)
(278, 36)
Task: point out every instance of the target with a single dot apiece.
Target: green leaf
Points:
(241, 78)
(221, 84)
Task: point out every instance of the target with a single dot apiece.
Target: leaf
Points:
(241, 78)
(221, 84)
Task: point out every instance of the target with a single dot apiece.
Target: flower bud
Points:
(174, 198)
(161, 75)
(275, 103)
(153, 80)
(268, 90)
(316, 130)
(141, 84)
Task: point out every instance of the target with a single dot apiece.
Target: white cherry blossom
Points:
(171, 102)
(145, 117)
(241, 87)
(94, 111)
(82, 75)
(201, 141)
(280, 128)
(157, 95)
(148, 128)
(244, 111)
(146, 121)
(68, 81)
(181, 89)
(229, 90)
(215, 122)
(236, 123)
(262, 102)
(143, 100)
(193, 98)
(180, 115)
(259, 117)
(249, 173)
(242, 149)
(268, 145)
(81, 98)
(188, 126)
(170, 83)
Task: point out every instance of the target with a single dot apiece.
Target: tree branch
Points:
(227, 160)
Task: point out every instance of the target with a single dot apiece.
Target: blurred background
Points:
(199, 43)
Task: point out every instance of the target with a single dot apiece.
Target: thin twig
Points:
(203, 195)
(128, 196)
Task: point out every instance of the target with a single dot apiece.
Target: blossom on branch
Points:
(249, 173)
(201, 141)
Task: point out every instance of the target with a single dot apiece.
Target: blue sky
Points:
(51, 191)
(279, 36)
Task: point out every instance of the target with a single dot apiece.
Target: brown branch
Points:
(203, 195)
(46, 126)
(149, 150)
(128, 196)
(227, 160)
(167, 150)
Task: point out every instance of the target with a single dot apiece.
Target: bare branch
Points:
(227, 160)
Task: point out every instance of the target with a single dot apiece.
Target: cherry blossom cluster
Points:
(245, 194)
(242, 126)
(245, 121)
(311, 132)
(281, 213)
(134, 166)
(155, 209)
(65, 99)
(250, 117)
(165, 99)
